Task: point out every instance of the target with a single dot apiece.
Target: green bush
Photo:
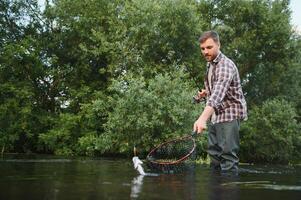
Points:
(139, 112)
(271, 134)
(78, 134)
(147, 113)
(62, 139)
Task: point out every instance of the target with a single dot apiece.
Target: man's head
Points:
(210, 45)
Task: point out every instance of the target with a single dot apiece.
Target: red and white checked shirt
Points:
(225, 93)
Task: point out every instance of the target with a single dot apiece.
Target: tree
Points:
(21, 69)
(156, 35)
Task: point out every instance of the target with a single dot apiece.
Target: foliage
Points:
(78, 134)
(15, 117)
(83, 77)
(271, 134)
(146, 114)
(290, 89)
(61, 140)
(142, 114)
(159, 33)
(23, 111)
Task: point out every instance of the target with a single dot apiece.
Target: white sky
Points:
(295, 6)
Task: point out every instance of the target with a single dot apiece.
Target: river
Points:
(49, 177)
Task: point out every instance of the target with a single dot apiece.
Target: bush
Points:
(271, 134)
(139, 112)
(63, 137)
(147, 113)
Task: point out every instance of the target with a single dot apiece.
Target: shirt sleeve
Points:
(223, 76)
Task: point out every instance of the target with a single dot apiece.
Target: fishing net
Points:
(173, 156)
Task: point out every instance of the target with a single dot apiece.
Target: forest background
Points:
(98, 77)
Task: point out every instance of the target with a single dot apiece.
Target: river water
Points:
(49, 177)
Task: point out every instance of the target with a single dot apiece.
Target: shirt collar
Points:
(218, 58)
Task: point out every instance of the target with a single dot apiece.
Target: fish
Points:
(138, 165)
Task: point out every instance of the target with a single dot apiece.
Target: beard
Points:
(210, 57)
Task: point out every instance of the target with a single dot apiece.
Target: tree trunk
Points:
(3, 148)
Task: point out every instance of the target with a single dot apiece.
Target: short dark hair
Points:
(209, 34)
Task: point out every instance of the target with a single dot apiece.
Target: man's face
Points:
(210, 49)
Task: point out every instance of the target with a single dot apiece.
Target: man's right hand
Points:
(200, 96)
(202, 93)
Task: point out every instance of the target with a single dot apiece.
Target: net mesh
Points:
(173, 156)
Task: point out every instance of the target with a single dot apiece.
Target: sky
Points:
(295, 6)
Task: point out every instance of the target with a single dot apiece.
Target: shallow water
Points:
(49, 177)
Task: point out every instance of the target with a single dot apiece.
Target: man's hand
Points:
(199, 126)
(202, 94)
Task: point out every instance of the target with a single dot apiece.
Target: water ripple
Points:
(263, 185)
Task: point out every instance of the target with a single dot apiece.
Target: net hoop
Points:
(183, 158)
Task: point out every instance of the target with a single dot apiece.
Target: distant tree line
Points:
(98, 77)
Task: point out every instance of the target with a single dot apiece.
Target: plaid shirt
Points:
(225, 94)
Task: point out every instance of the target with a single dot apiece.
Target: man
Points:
(225, 106)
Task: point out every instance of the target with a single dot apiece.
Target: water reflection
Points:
(173, 186)
(136, 187)
(207, 184)
(190, 185)
(217, 190)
